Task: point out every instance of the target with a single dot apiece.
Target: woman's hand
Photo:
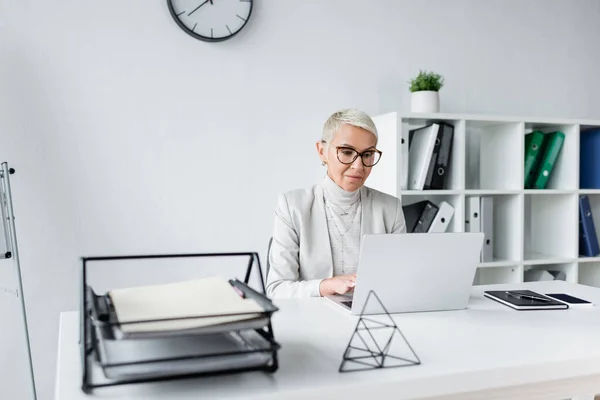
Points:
(337, 285)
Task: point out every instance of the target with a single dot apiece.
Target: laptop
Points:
(414, 272)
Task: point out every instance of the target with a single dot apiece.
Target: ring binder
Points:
(109, 358)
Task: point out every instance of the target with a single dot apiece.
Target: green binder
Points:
(550, 150)
(533, 143)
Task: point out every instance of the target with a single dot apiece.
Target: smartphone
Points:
(572, 301)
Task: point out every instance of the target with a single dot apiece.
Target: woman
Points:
(317, 230)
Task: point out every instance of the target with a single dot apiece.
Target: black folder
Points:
(419, 216)
(440, 171)
(433, 162)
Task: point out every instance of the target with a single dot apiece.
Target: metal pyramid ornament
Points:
(377, 342)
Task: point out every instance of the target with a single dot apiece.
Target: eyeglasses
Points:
(347, 155)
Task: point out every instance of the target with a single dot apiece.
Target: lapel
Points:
(366, 225)
(322, 243)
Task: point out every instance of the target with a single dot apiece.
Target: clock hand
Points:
(195, 9)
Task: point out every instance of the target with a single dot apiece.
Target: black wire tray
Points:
(108, 359)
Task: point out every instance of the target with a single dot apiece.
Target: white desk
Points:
(488, 351)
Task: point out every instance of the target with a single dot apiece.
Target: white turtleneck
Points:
(344, 211)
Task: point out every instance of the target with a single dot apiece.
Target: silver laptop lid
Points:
(417, 271)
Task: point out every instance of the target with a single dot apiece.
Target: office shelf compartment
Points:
(564, 175)
(455, 177)
(390, 174)
(550, 228)
(588, 158)
(542, 272)
(455, 201)
(589, 273)
(495, 275)
(494, 152)
(595, 209)
(507, 215)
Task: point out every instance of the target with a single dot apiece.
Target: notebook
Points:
(503, 297)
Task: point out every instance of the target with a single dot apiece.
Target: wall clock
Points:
(211, 20)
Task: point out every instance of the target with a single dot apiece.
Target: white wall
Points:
(128, 136)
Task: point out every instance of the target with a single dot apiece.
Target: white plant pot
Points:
(425, 101)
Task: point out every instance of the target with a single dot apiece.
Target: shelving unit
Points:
(533, 228)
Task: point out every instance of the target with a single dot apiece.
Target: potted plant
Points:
(425, 92)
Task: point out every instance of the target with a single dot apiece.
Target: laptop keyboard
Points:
(347, 303)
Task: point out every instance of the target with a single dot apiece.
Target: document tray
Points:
(162, 357)
(110, 357)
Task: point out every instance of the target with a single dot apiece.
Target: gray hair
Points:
(348, 116)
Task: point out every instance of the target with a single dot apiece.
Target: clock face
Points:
(211, 20)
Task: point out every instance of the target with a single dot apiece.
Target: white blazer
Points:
(300, 256)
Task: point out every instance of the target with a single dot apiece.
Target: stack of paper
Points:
(208, 298)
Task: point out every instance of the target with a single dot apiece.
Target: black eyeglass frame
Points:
(358, 154)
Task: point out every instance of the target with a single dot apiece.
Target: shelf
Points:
(422, 119)
(430, 192)
(549, 191)
(533, 258)
(469, 192)
(499, 118)
(489, 192)
(589, 259)
(498, 263)
(533, 229)
(495, 192)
